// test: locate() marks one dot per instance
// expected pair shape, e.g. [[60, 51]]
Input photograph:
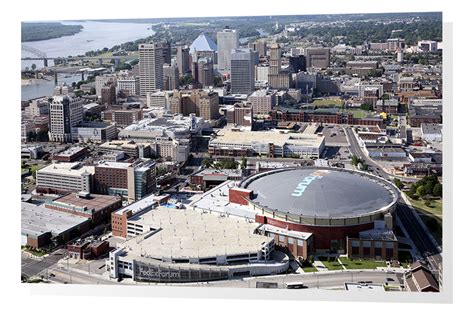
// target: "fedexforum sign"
[[154, 274], [301, 187]]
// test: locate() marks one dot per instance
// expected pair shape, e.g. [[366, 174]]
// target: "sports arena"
[[330, 203]]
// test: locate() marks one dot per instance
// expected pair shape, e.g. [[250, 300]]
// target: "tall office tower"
[[205, 74], [260, 47], [276, 78], [275, 59], [166, 52], [182, 59], [242, 71], [108, 94], [227, 40], [150, 58], [171, 77], [317, 57], [65, 113]]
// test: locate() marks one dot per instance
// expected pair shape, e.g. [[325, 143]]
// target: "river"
[[94, 35]]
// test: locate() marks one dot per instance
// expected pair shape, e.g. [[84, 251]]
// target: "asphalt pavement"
[[31, 267]]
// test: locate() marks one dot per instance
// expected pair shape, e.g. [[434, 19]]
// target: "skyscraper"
[[171, 77], [166, 52], [242, 65], [151, 67], [277, 78], [182, 59], [65, 113], [205, 74], [275, 59], [227, 40]]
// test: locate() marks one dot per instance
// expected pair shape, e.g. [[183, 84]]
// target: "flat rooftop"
[[284, 232], [91, 202], [364, 287], [321, 192], [186, 233], [275, 137], [70, 151], [37, 220], [142, 204], [114, 165], [67, 168]]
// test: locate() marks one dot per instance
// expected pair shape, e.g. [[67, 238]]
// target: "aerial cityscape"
[[281, 152]]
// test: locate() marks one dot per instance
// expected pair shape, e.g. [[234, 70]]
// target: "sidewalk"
[[319, 265]]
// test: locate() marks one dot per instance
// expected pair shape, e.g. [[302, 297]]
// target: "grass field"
[[328, 102], [431, 215], [330, 263], [359, 113], [361, 264], [435, 208], [310, 269]]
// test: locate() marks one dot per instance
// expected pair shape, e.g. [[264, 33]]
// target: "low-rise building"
[[268, 143], [64, 177], [93, 131], [425, 114], [41, 226], [208, 178], [131, 148], [432, 132], [379, 243], [96, 207], [71, 154], [420, 279]]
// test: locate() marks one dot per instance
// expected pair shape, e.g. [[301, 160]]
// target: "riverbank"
[[31, 32]]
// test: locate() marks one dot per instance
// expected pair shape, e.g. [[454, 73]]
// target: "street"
[[333, 279], [31, 267]]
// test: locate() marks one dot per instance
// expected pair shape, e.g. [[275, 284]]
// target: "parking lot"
[[335, 135]]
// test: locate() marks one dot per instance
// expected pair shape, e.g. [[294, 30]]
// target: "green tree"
[[421, 191], [355, 160], [412, 191], [243, 163], [33, 67], [366, 107], [398, 183], [438, 189], [207, 162]]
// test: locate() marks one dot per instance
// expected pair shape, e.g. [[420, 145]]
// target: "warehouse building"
[[40, 226]]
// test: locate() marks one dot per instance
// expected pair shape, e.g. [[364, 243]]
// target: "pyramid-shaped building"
[[203, 43]]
